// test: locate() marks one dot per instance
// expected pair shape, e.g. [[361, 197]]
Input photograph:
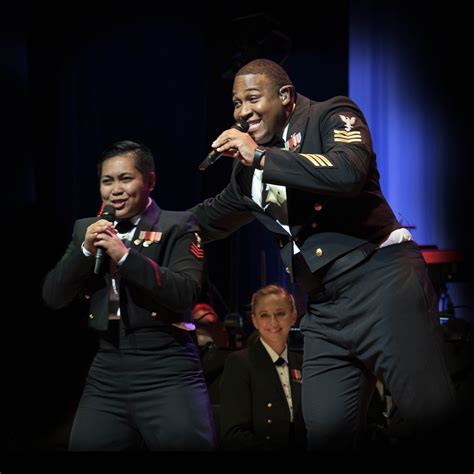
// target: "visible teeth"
[[254, 125]]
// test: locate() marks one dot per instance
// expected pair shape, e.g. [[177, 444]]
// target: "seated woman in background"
[[260, 391]]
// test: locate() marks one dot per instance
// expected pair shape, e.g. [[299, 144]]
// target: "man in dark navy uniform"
[[306, 170], [145, 385]]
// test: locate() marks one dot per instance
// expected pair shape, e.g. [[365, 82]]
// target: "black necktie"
[[280, 361], [124, 227]]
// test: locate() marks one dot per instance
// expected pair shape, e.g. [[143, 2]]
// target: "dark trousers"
[[377, 319], [152, 397]]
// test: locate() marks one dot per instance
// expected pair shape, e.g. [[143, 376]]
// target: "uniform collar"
[[273, 355]]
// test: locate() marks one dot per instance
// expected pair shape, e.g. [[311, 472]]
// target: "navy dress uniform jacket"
[[158, 283], [254, 412], [334, 200]]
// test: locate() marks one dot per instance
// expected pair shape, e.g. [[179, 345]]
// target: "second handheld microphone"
[[214, 155]]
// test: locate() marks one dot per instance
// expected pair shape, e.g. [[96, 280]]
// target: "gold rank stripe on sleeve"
[[317, 160], [347, 137]]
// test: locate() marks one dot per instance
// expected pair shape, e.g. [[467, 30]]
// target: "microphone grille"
[[108, 213], [242, 125]]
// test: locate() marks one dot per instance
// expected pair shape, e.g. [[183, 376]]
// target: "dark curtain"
[[80, 76]]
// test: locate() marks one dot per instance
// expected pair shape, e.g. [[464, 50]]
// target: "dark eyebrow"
[[247, 90], [121, 175]]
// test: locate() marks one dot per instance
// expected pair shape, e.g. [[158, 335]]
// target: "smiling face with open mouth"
[[124, 186], [256, 100]]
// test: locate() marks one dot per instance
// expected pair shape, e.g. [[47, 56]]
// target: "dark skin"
[[266, 108]]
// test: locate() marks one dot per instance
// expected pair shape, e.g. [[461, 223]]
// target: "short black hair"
[[143, 155], [268, 68]]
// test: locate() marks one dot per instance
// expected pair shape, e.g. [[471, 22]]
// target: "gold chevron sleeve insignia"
[[317, 160], [347, 137]]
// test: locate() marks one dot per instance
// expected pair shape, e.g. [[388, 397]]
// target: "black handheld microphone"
[[214, 155], [109, 215]]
